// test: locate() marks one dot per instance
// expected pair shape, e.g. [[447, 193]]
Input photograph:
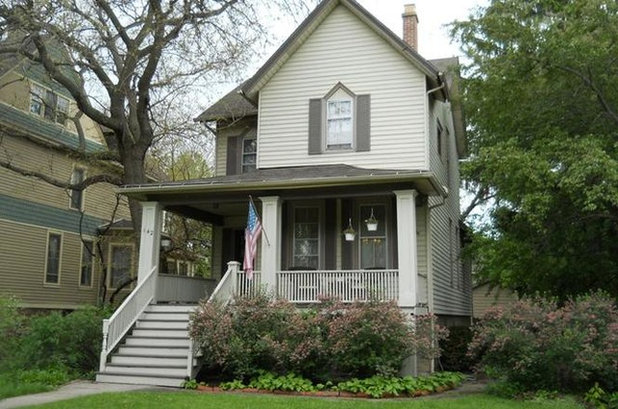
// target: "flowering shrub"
[[538, 345], [331, 340]]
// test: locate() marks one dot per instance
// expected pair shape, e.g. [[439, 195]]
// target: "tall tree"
[[124, 62], [541, 99]]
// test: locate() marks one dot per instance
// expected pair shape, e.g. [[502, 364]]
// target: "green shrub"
[[538, 345], [599, 399], [12, 326], [56, 341]]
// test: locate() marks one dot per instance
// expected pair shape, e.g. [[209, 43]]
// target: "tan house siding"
[[225, 131], [365, 64], [485, 297]]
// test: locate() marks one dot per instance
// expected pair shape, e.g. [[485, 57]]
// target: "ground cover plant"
[[154, 400], [536, 344], [331, 341]]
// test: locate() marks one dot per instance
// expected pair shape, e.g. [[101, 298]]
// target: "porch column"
[[150, 239], [406, 248], [271, 248]]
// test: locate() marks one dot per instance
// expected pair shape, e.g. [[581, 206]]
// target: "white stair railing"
[[226, 288], [246, 287], [115, 327]]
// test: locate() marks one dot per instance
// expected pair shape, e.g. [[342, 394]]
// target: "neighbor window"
[[77, 196], [373, 243], [249, 151], [87, 265], [52, 267], [120, 264], [306, 242], [48, 104]]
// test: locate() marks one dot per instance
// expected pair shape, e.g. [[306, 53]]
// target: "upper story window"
[[249, 153], [77, 196], [339, 122], [48, 104]]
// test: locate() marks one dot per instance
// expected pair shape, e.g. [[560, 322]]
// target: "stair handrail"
[[125, 316], [226, 288]]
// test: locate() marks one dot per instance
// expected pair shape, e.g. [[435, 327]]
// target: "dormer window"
[[339, 122], [48, 104]]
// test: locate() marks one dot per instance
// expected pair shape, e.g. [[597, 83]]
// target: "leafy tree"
[[125, 62], [541, 99]]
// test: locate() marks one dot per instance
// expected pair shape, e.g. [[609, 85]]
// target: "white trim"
[[61, 234], [387, 250], [313, 204], [81, 260], [32, 83], [111, 244], [325, 100]]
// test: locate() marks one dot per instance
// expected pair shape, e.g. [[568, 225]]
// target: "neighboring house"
[[344, 122], [486, 296], [50, 235]]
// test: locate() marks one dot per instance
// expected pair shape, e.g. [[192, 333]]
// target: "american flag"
[[252, 234]]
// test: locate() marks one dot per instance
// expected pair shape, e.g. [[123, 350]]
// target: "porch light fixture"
[[166, 243], [349, 233], [371, 222]]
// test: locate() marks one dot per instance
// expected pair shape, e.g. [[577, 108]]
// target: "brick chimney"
[[410, 24]]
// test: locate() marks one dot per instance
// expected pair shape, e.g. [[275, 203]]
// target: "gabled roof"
[[234, 105]]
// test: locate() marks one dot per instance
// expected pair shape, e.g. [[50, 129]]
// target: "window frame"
[[81, 192], [386, 236], [44, 104], [81, 263], [47, 283], [332, 96], [243, 154], [132, 271], [319, 205]]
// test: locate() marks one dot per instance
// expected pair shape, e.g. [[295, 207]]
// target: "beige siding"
[[225, 131], [343, 49], [22, 268], [421, 246], [451, 287], [99, 199], [485, 297]]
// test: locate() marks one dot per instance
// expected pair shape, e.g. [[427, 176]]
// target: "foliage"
[[290, 382], [541, 101], [379, 386], [333, 340], [535, 344], [11, 328], [454, 350], [190, 384], [600, 399]]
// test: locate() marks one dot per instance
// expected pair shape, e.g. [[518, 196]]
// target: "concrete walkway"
[[71, 390]]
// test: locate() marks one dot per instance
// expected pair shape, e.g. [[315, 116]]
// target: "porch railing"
[[246, 287], [183, 288], [115, 327], [346, 285], [225, 290]]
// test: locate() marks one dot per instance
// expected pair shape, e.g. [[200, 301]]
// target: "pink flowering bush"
[[332, 341], [536, 344]]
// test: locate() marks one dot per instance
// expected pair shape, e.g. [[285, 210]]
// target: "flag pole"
[[258, 216]]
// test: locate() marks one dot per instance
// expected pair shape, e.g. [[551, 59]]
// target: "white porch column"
[[271, 248], [150, 239], [406, 248]]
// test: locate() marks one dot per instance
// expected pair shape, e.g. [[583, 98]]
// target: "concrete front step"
[[171, 308], [162, 324], [157, 341], [149, 361], [162, 333], [164, 316], [163, 351], [171, 371], [109, 377]]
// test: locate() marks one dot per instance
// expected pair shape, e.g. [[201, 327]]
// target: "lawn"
[[191, 400], [11, 386]]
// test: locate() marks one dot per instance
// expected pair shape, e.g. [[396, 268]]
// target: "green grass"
[[191, 400], [11, 386]]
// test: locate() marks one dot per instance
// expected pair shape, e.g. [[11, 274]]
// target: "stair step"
[[162, 324], [149, 361], [161, 333], [163, 351], [107, 377], [157, 341], [176, 371], [164, 316], [171, 308]]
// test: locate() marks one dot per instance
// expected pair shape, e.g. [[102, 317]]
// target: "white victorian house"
[[344, 124]]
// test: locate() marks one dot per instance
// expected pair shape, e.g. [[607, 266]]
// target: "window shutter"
[[363, 123], [315, 126], [233, 154]]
